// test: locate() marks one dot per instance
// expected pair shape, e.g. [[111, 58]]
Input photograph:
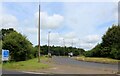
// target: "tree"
[[110, 45], [20, 48], [112, 40], [5, 32], [112, 36]]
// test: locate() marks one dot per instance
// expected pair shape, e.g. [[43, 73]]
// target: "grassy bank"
[[29, 65], [97, 60], [0, 61]]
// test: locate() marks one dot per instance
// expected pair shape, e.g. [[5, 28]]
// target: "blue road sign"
[[5, 55]]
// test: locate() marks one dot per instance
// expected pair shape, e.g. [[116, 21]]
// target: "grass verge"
[[97, 60], [29, 65], [0, 61]]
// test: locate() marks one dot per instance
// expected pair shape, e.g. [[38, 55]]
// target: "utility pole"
[[79, 43], [39, 35], [64, 45], [72, 43], [49, 42]]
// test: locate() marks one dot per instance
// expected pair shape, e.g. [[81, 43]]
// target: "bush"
[[20, 48]]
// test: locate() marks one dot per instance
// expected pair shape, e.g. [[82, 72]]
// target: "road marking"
[[33, 73], [53, 68]]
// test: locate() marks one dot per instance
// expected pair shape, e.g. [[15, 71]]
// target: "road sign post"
[[5, 55]]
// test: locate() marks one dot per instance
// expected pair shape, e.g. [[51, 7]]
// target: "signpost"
[[5, 55]]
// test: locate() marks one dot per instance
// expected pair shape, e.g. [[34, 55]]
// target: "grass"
[[97, 60], [0, 61], [0, 65], [29, 65]]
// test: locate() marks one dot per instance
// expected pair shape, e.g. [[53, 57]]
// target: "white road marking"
[[33, 73]]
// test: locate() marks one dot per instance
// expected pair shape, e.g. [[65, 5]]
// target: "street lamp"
[[72, 43], [39, 36], [49, 54], [79, 43], [64, 45]]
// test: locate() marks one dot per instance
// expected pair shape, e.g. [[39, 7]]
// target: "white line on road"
[[33, 73]]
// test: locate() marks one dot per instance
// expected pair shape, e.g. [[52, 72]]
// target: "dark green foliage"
[[88, 54], [18, 45], [60, 51], [110, 46], [6, 32]]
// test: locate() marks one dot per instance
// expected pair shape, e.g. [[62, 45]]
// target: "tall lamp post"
[[49, 42], [39, 36], [64, 45], [72, 43]]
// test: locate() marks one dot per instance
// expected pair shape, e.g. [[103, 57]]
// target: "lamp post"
[[79, 43], [64, 45], [39, 36], [49, 42], [72, 43]]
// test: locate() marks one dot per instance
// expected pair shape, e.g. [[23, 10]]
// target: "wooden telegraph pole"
[[39, 36]]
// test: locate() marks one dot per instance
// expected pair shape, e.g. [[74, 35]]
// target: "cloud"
[[92, 38], [89, 41], [70, 39], [8, 21], [50, 22], [87, 46], [69, 35], [32, 30], [85, 17], [57, 38]]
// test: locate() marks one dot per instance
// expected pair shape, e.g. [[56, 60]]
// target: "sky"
[[77, 24]]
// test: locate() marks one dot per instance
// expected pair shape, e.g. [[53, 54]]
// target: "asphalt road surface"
[[63, 61], [12, 72], [73, 62]]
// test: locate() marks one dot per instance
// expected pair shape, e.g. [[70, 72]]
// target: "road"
[[19, 73], [73, 62], [11, 72], [66, 65]]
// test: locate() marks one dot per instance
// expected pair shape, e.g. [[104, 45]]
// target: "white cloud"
[[87, 46], [92, 38], [31, 30], [70, 35], [85, 17], [70, 39], [89, 41], [50, 22], [8, 21]]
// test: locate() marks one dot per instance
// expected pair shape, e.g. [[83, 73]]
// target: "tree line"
[[110, 45], [60, 51]]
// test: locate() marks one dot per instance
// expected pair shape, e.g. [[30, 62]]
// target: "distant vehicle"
[[50, 55], [70, 54]]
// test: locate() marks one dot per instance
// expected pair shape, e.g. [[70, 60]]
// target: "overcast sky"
[[80, 23]]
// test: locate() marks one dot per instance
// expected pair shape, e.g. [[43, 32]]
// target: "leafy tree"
[[20, 48], [5, 32], [112, 37], [110, 45], [112, 40]]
